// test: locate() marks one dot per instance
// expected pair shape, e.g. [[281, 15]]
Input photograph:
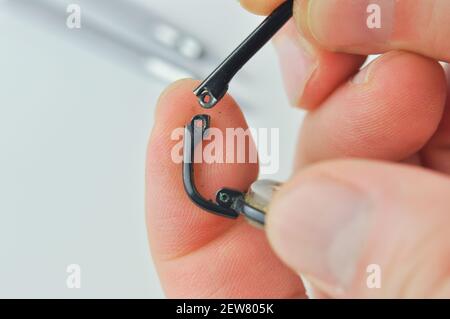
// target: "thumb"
[[361, 229]]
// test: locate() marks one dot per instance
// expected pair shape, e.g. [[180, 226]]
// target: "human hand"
[[333, 218]]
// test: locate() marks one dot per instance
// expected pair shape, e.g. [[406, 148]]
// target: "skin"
[[393, 128]]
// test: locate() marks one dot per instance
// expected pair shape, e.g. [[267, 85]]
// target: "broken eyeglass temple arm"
[[229, 203], [213, 89]]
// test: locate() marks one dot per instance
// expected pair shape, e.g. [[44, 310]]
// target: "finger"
[[388, 111], [436, 154], [375, 26], [262, 7], [196, 253], [362, 229], [310, 73]]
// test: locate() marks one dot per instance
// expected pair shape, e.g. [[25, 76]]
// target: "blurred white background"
[[76, 109]]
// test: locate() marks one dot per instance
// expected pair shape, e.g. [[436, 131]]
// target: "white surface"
[[73, 133]]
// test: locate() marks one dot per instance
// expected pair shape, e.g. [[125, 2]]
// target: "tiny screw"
[[224, 197]]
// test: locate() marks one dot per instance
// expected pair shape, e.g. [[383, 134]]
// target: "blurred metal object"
[[126, 30], [184, 44]]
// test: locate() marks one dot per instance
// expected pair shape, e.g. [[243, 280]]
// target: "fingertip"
[[319, 239], [177, 104], [170, 213], [373, 210], [389, 111], [311, 73], [178, 92], [413, 84], [260, 7], [333, 70]]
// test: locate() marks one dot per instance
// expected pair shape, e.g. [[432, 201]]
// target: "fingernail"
[[297, 62], [351, 23], [362, 76], [319, 229]]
